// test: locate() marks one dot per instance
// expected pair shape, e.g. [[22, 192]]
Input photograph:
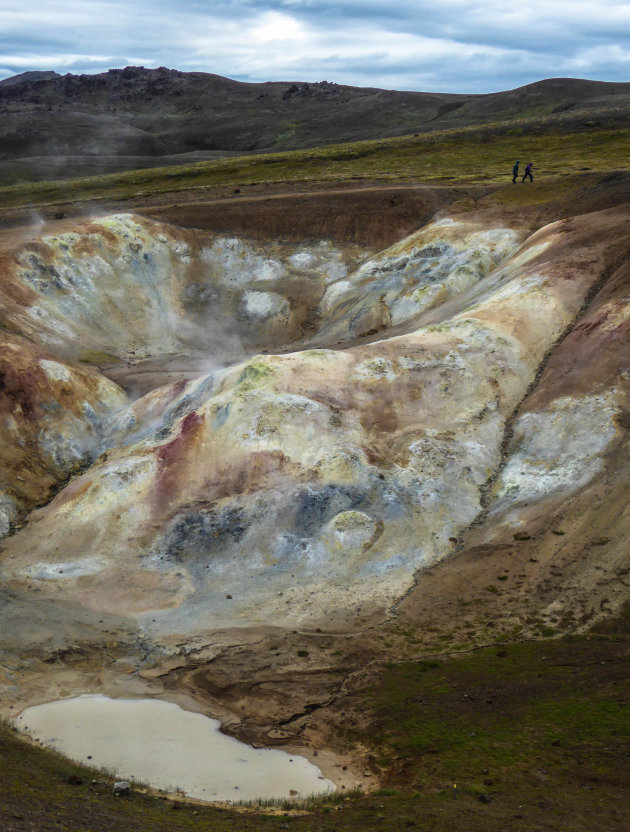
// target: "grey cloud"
[[454, 46]]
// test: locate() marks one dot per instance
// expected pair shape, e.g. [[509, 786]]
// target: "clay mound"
[[141, 304]]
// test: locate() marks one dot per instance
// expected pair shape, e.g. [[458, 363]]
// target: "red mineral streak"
[[174, 457], [20, 389]]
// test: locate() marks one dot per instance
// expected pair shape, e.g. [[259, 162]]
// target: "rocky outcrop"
[[53, 415], [423, 271]]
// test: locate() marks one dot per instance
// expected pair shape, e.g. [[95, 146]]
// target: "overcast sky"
[[445, 45]]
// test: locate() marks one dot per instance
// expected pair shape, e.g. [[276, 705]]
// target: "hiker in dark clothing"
[[515, 172], [528, 172]]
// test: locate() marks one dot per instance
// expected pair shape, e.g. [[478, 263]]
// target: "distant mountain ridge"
[[52, 125], [29, 77]]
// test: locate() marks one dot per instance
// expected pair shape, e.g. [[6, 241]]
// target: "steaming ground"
[[209, 440]]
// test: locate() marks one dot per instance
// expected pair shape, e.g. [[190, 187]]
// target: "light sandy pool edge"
[[159, 743]]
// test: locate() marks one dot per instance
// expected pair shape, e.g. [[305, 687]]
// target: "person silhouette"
[[528, 172], [515, 172]]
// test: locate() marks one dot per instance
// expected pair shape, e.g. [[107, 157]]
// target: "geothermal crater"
[[209, 438], [221, 491]]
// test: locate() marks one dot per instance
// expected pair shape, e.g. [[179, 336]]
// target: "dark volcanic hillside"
[[54, 126]]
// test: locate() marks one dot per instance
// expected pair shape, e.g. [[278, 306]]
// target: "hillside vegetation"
[[462, 156], [54, 127]]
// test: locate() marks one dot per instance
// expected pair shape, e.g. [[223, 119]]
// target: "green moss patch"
[[557, 704]]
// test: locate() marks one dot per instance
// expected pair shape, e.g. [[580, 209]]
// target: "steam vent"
[[229, 459]]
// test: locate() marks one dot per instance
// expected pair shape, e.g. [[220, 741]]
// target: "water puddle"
[[167, 747]]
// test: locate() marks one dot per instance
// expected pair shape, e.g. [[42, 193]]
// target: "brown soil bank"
[[376, 215], [367, 213]]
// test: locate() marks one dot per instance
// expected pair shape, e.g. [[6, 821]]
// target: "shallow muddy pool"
[[167, 747]]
